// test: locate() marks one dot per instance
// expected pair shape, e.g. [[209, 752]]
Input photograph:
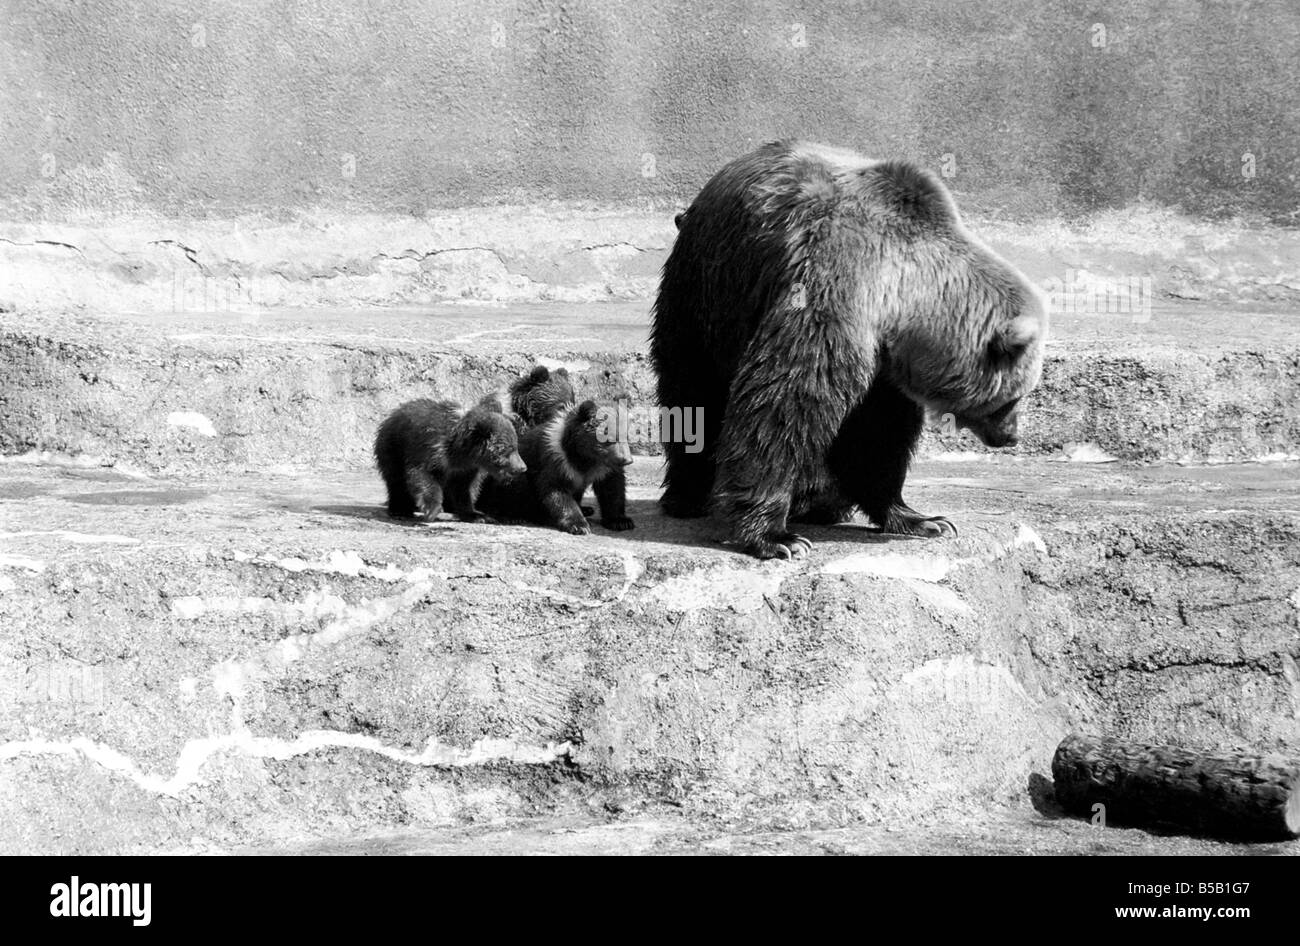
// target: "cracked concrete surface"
[[270, 662], [557, 252]]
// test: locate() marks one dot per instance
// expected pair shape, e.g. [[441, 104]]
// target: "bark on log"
[[1221, 794]]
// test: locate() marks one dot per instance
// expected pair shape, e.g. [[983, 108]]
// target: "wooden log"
[[1228, 795]]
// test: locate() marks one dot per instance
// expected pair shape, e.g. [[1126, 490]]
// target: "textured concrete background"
[[112, 106]]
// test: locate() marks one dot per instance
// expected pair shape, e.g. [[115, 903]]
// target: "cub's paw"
[[479, 517], [784, 545], [903, 520], [617, 523]]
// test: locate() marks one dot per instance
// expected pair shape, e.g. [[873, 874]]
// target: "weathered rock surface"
[[195, 392], [232, 661]]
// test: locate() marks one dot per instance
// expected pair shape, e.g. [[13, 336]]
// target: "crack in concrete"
[[191, 254], [66, 246], [196, 753], [614, 246]]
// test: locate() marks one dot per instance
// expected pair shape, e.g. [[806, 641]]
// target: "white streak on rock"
[[555, 363], [22, 561], [932, 568], [194, 420], [891, 565], [195, 754], [740, 590], [1085, 453]]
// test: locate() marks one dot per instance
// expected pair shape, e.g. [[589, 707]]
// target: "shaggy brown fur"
[[565, 456], [430, 450], [541, 394], [814, 304]]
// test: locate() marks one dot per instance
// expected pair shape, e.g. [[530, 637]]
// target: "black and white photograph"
[[595, 427]]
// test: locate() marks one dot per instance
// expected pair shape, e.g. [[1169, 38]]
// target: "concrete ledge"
[[565, 252], [267, 660], [304, 389]]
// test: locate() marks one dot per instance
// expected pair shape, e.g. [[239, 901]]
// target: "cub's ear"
[[561, 373], [587, 412], [539, 374], [1017, 335], [912, 193], [491, 402]]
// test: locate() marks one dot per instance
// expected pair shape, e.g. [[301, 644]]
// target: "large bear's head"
[[963, 330]]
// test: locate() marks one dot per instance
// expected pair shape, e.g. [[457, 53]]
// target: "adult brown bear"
[[815, 302]]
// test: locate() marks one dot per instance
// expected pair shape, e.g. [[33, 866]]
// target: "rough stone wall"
[[1036, 109]]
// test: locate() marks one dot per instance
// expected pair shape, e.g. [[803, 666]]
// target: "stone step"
[[235, 660], [295, 390]]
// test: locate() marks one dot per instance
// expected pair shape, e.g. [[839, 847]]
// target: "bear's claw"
[[904, 520], [783, 545]]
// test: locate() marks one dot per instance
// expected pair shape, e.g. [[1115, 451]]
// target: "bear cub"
[[565, 456], [541, 394], [431, 452]]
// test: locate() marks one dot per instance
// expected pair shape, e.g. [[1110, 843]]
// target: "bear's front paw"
[[579, 527], [617, 523], [903, 520], [784, 545]]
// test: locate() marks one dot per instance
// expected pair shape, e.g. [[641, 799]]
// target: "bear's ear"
[[562, 373], [1017, 335], [490, 402], [912, 193], [587, 412], [539, 374]]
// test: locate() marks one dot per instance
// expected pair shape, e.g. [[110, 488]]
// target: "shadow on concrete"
[[1042, 795], [652, 525]]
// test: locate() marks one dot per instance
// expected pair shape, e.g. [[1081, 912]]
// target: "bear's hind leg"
[[425, 492], [871, 455]]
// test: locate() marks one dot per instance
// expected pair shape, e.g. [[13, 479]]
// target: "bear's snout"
[[516, 464], [999, 429], [1000, 438]]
